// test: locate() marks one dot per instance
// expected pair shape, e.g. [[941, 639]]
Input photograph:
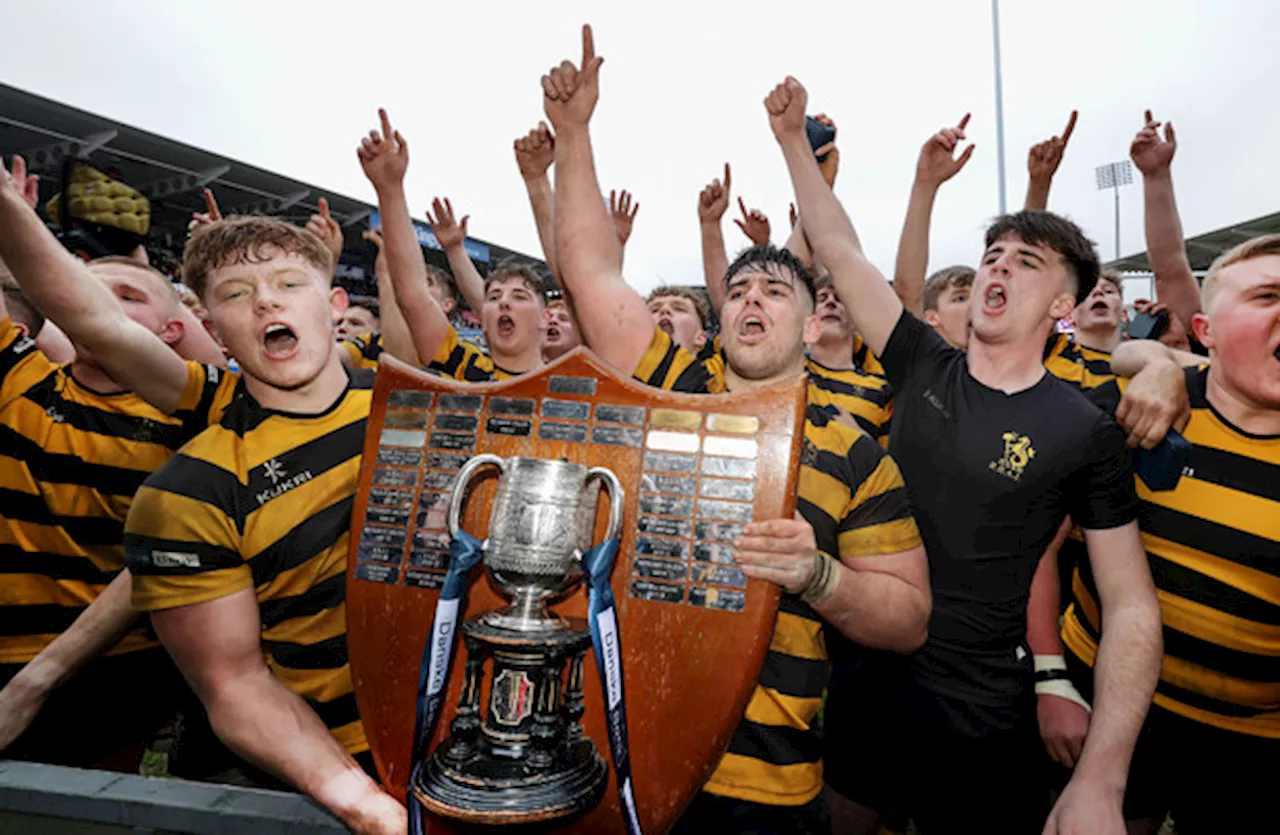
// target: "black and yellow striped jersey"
[[262, 499], [861, 390], [1073, 363], [461, 360], [70, 461], [364, 350], [1214, 548], [851, 492]]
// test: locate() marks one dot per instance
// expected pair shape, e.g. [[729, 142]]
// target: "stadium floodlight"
[[1112, 176]]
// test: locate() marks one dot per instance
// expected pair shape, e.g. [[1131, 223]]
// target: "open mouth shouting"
[[751, 329], [506, 325], [664, 323], [279, 341], [995, 299], [553, 333]]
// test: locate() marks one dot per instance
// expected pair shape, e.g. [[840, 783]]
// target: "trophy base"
[[492, 790]]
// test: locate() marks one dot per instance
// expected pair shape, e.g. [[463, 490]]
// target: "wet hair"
[[250, 239], [1059, 234], [1250, 249], [509, 269], [21, 310], [699, 303], [943, 280], [776, 262]]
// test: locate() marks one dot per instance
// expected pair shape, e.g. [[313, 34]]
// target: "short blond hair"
[[1247, 251], [250, 239], [699, 303]]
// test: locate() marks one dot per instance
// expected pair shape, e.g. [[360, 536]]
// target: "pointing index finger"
[[386, 124], [324, 208], [726, 176], [1071, 126], [588, 46], [964, 120]]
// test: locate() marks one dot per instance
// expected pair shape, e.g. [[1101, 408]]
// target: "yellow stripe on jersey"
[[263, 500], [71, 460], [1071, 362], [461, 360], [862, 390], [775, 756], [364, 350], [1213, 544]]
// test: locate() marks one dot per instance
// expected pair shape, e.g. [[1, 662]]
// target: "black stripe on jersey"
[[319, 598], [100, 422], [1197, 380], [1210, 537], [329, 654], [212, 379], [57, 468], [341, 711], [38, 619], [139, 550], [659, 375], [84, 530], [793, 605], [877, 396], [1232, 662], [1203, 589], [696, 379], [361, 378], [825, 529], [1212, 705], [450, 366], [790, 675], [316, 457], [1241, 473], [889, 506], [776, 744], [474, 373], [16, 560], [203, 481], [311, 537], [15, 352]]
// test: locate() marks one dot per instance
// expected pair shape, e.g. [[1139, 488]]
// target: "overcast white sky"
[[291, 86]]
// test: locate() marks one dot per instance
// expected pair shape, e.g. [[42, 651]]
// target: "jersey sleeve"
[[208, 392], [912, 344], [182, 544], [364, 350], [667, 366], [461, 360], [22, 364], [1103, 494], [878, 517]]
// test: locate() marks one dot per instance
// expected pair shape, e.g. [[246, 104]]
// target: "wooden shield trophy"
[[523, 733]]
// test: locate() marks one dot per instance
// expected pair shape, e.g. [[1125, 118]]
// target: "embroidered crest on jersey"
[[1018, 453]]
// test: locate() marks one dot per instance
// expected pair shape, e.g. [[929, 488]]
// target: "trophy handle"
[[463, 481], [617, 498]]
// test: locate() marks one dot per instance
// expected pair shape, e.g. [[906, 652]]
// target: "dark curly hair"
[[1059, 234], [774, 261]]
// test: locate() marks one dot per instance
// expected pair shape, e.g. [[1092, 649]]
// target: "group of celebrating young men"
[[925, 572]]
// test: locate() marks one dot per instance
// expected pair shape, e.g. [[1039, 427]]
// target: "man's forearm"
[[1132, 356], [466, 276], [1125, 674], [396, 338], [1166, 249], [542, 201], [426, 321], [913, 247], [715, 262], [58, 284], [587, 247], [1037, 194], [878, 610], [266, 723], [99, 627]]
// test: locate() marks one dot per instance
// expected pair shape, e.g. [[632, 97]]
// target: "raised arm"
[[935, 166], [396, 338], [754, 224], [61, 287], [451, 234], [712, 203], [827, 226], [324, 227], [217, 645], [1176, 285], [385, 158], [623, 211], [1042, 163], [534, 155], [614, 319]]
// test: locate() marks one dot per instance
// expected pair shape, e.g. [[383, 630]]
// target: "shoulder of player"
[[841, 450]]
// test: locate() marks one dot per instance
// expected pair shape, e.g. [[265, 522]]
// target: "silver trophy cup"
[[539, 528]]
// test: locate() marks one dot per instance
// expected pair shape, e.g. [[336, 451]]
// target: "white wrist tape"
[[1051, 680]]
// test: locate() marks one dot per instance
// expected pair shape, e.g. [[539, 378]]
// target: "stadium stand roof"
[[1202, 249], [171, 174]]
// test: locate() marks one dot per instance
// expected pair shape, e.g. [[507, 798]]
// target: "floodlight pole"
[[1112, 176], [1116, 188], [995, 40]]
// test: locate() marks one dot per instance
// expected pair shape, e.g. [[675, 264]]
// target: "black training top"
[[990, 477]]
